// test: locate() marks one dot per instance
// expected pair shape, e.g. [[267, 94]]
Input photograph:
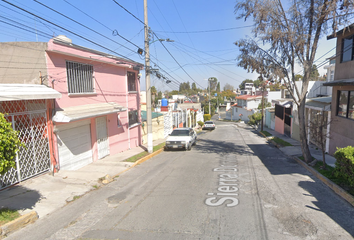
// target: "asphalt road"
[[231, 185]]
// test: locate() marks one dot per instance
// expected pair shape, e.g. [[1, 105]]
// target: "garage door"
[[74, 145]]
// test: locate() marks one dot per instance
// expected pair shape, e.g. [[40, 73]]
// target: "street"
[[231, 185]]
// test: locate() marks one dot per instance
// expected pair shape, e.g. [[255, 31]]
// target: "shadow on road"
[[279, 164], [221, 147]]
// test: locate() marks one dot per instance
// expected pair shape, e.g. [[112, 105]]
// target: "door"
[[74, 145], [102, 137]]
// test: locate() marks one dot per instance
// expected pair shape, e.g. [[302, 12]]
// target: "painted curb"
[[18, 223], [141, 160], [337, 189]]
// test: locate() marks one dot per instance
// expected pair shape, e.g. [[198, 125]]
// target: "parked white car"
[[181, 138]]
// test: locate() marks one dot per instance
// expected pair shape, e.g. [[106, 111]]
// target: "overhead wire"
[[159, 41], [83, 25], [78, 35]]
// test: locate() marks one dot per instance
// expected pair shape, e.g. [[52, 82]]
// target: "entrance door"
[[102, 137]]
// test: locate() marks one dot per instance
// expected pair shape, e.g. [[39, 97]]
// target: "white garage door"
[[74, 146]]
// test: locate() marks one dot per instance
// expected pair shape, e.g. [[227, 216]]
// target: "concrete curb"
[[18, 223], [337, 189], [141, 160]]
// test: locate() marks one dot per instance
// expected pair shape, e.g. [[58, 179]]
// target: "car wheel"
[[189, 147]]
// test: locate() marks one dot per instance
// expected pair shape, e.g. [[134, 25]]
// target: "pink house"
[[99, 111]]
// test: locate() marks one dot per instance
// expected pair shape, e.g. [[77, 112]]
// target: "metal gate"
[[30, 120]]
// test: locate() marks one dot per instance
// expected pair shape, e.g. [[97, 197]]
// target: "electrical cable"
[[84, 25], [78, 35]]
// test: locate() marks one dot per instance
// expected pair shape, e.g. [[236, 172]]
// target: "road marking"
[[228, 180]]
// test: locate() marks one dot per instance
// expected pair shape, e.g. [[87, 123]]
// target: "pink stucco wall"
[[110, 84], [279, 125]]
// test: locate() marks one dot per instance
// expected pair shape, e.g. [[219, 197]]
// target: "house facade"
[[99, 111], [85, 104], [342, 112]]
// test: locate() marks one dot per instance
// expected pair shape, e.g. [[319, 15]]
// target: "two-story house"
[[97, 108], [342, 112]]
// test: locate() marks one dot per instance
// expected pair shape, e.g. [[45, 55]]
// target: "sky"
[[203, 34]]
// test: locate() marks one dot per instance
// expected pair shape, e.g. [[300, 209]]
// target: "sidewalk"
[[46, 193], [295, 149]]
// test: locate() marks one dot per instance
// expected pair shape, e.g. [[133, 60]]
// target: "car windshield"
[[209, 122], [180, 133]]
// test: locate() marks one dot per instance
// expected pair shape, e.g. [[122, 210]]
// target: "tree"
[[228, 87], [9, 145], [194, 86], [228, 94], [266, 104], [318, 132], [314, 73], [218, 87], [289, 37], [298, 77], [213, 81], [242, 85], [255, 118]]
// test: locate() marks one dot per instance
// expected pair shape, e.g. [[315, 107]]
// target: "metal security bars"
[[80, 77], [30, 120]]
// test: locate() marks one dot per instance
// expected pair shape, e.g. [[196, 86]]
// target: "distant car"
[[209, 125], [181, 138]]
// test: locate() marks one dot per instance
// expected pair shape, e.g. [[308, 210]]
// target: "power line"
[[78, 35], [84, 25], [204, 31]]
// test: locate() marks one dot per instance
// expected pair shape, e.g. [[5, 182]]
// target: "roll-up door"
[[74, 145]]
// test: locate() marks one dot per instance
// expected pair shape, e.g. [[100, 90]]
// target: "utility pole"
[[209, 96], [147, 80]]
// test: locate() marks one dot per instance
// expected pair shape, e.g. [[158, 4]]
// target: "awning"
[[323, 103], [153, 115], [345, 82], [13, 92], [71, 114]]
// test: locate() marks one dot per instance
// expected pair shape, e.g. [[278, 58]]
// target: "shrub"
[[9, 145], [200, 123], [255, 118], [207, 117], [345, 164]]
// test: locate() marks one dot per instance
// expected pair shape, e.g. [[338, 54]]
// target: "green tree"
[[9, 145], [242, 85], [228, 94], [194, 87], [286, 34], [228, 87], [218, 87], [266, 104], [255, 118], [213, 82], [314, 73], [298, 77]]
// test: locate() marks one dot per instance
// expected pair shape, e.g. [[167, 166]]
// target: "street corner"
[[18, 223]]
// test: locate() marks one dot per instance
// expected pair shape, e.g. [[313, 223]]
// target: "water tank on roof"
[[164, 102]]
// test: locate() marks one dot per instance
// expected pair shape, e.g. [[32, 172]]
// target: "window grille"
[[80, 77], [131, 82]]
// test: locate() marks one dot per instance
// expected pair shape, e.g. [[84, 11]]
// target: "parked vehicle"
[[181, 138], [209, 125]]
